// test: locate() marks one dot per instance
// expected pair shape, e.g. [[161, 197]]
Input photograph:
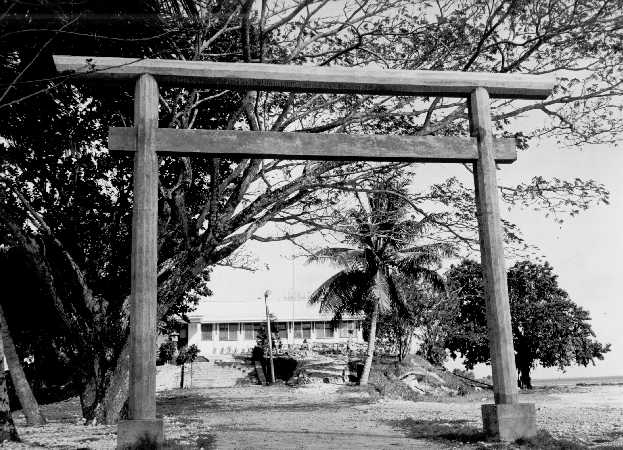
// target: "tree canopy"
[[549, 329]]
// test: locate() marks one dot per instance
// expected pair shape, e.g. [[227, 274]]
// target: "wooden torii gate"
[[506, 419]]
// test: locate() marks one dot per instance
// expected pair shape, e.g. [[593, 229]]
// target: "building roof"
[[290, 309]]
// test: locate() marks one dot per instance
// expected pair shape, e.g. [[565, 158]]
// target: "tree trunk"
[[525, 382], [398, 332], [7, 427], [27, 400], [184, 272], [117, 390], [371, 344], [92, 400]]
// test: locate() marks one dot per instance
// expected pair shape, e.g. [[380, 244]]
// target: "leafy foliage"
[[261, 338], [166, 352], [383, 238], [548, 327], [187, 355], [418, 320]]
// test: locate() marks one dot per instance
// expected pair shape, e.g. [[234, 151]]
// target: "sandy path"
[[312, 417], [328, 417]]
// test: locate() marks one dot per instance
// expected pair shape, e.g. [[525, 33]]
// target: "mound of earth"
[[409, 379], [414, 377]]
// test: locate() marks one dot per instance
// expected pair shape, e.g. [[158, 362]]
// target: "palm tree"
[[383, 240]]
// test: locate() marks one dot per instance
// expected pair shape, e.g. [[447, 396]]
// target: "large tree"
[[549, 329], [67, 201]]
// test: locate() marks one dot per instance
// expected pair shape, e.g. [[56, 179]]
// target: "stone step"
[[204, 375]]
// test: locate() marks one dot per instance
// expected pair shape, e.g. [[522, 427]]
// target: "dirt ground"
[[331, 416]]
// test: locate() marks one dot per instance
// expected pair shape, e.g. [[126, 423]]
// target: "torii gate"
[[506, 419]]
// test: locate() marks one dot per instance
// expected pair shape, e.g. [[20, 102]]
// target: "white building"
[[220, 327]]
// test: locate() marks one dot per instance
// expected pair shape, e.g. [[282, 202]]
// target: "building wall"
[[236, 337]]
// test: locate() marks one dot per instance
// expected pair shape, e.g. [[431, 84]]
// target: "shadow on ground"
[[194, 403], [204, 441], [462, 431], [303, 432], [448, 430]]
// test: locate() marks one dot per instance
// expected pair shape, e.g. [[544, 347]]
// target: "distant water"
[[573, 381]]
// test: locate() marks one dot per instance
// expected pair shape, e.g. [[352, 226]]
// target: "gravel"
[[330, 416]]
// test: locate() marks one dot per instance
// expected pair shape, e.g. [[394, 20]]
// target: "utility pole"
[[270, 338]]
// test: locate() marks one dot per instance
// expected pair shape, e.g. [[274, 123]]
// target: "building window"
[[228, 331], [324, 330], [302, 330], [281, 329], [347, 329], [251, 330], [206, 331]]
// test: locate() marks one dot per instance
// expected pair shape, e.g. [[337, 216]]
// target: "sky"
[[585, 251]]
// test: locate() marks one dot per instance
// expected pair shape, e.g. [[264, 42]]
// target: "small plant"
[[262, 338], [187, 355]]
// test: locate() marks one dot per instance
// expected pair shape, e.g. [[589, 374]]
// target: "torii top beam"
[[273, 77]]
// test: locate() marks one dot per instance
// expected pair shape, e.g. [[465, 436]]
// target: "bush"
[[187, 355], [257, 354], [166, 351], [262, 338], [285, 366]]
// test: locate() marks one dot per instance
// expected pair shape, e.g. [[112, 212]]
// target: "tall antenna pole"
[[270, 338]]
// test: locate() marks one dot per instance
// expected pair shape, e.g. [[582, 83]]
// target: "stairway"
[[218, 374]]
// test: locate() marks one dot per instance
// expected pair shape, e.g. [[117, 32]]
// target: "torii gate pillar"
[[506, 419], [143, 428]]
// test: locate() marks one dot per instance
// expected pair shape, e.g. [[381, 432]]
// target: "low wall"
[[167, 377]]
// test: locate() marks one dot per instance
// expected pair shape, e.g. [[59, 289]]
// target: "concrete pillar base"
[[140, 433], [509, 422]]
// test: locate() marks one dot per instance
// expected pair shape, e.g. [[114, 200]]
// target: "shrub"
[[166, 351], [257, 354], [187, 354]]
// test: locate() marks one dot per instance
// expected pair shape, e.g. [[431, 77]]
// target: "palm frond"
[[440, 249], [429, 276], [339, 256], [345, 292], [415, 228]]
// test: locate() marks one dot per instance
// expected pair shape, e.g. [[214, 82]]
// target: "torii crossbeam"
[[506, 419]]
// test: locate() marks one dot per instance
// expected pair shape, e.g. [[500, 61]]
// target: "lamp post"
[[270, 338]]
